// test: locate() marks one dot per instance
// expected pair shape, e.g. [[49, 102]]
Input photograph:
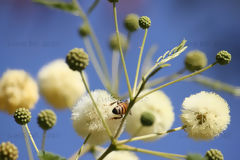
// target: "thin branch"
[[164, 79], [177, 80], [96, 64], [139, 62], [43, 140], [121, 52], [30, 135], [94, 39], [91, 8], [156, 153], [85, 141], [153, 135], [29, 150], [96, 107]]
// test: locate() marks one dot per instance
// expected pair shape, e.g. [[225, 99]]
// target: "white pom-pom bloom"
[[86, 120], [205, 115], [120, 155], [60, 86], [17, 89], [159, 105]]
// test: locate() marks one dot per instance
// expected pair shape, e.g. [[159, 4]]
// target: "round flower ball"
[[205, 115], [8, 151], [17, 89], [86, 120], [113, 42], [156, 104], [195, 60], [59, 85], [120, 155]]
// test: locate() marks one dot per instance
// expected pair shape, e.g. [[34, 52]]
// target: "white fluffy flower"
[[159, 105], [60, 86], [17, 89], [205, 114], [120, 155], [86, 120]]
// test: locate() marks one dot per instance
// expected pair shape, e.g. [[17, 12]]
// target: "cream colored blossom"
[[17, 89], [159, 105], [60, 86], [120, 155], [86, 120], [205, 114]]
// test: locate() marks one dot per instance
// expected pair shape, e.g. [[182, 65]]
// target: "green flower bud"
[[46, 119], [195, 60], [147, 119], [195, 157], [8, 151], [77, 59], [22, 116], [131, 22], [113, 43], [84, 30], [223, 57], [113, 1], [144, 22], [214, 154]]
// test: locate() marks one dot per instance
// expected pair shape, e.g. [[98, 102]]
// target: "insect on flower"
[[120, 109]]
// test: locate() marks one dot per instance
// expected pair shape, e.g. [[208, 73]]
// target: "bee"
[[120, 109]]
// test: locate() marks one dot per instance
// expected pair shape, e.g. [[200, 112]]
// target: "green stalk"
[[29, 150], [94, 39], [30, 135], [109, 150], [43, 140], [96, 65], [177, 80], [85, 141], [96, 107], [115, 69], [95, 3], [121, 52], [156, 153], [153, 135], [139, 62], [164, 79]]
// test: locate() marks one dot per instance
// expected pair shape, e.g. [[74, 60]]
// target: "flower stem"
[[139, 62], [96, 65], [115, 73], [94, 39], [216, 84], [85, 141], [121, 52], [30, 135], [96, 107], [43, 140], [164, 79], [161, 154], [149, 135], [29, 150], [177, 80], [95, 3], [110, 149]]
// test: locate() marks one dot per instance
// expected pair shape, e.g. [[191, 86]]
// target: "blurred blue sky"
[[32, 35]]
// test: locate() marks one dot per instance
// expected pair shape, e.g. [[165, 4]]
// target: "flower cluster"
[[159, 106], [60, 86], [18, 89], [205, 115], [86, 120]]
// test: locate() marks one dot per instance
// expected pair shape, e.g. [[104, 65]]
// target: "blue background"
[[32, 35]]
